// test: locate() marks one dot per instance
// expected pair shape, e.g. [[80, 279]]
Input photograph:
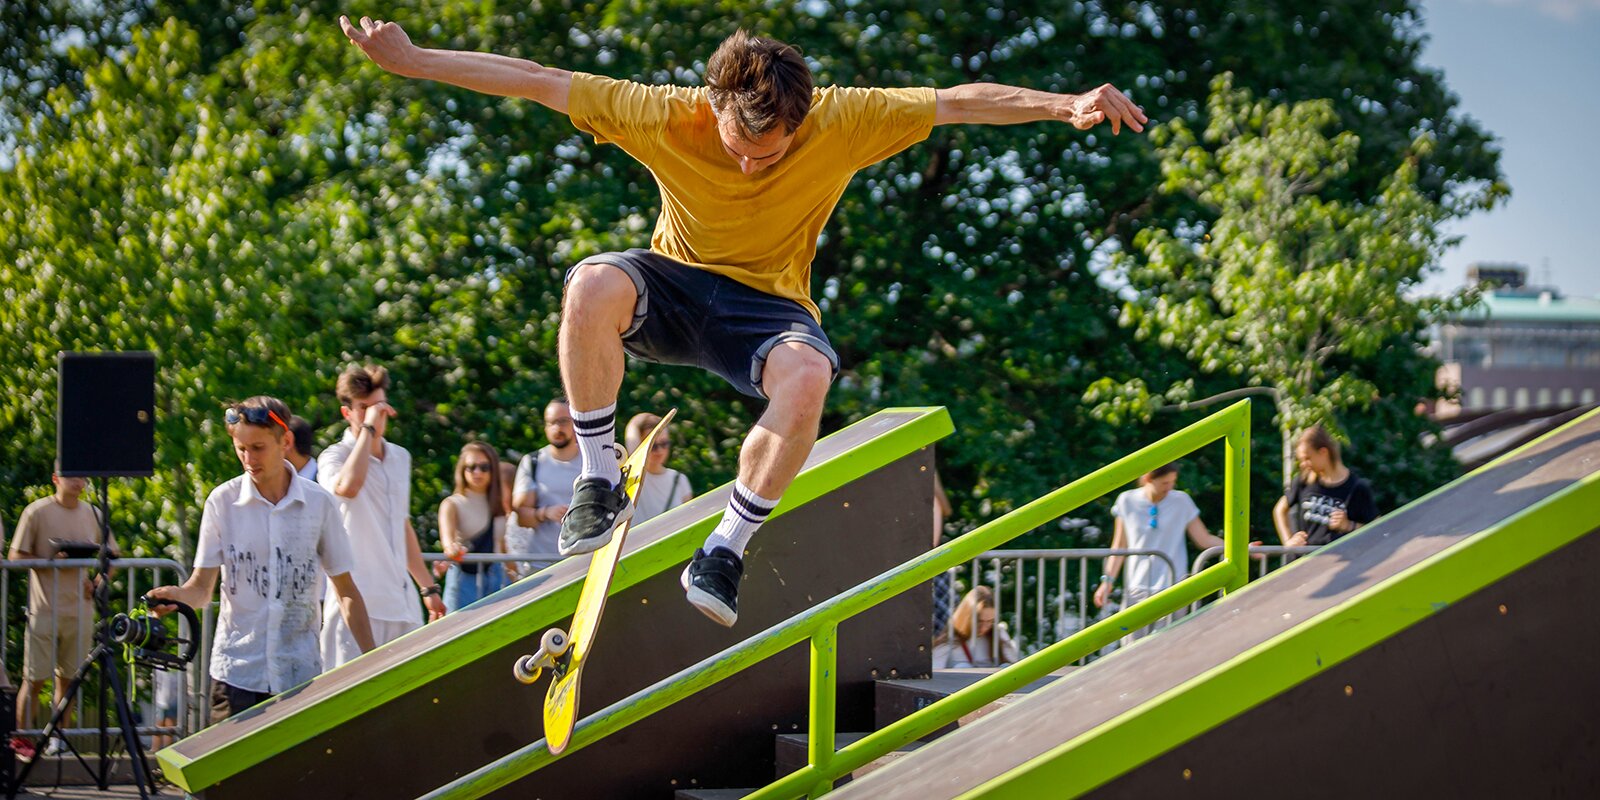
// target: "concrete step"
[[64, 770], [710, 794], [791, 754], [897, 699]]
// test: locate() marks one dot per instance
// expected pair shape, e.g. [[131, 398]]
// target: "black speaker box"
[[105, 414]]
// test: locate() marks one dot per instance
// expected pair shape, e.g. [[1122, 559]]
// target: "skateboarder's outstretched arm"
[[389, 47], [999, 104]]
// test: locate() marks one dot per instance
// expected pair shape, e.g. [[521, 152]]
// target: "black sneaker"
[[711, 582], [597, 510]]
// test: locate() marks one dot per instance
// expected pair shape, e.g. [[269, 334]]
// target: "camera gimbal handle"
[[192, 645]]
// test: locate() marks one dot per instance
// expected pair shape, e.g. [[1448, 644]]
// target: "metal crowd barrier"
[[1061, 605], [1262, 566], [525, 565], [131, 577]]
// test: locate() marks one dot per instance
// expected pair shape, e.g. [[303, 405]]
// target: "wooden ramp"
[[1448, 650], [436, 704]]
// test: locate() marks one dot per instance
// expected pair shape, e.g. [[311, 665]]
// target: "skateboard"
[[563, 654]]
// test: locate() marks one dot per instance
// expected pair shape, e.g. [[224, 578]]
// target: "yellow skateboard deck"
[[561, 701]]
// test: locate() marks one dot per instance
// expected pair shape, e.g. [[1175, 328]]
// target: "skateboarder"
[[750, 167]]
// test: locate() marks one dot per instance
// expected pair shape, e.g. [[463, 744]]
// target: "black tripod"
[[103, 657]]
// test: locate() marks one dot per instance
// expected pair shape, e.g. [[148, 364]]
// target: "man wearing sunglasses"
[[750, 167], [271, 536], [371, 478]]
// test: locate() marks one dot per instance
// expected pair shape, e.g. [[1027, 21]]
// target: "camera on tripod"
[[148, 640]]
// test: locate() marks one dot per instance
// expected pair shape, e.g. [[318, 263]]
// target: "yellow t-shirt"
[[760, 230]]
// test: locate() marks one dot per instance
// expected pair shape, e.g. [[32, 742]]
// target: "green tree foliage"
[[235, 187], [1279, 281]]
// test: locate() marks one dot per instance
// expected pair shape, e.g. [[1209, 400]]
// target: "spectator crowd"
[[315, 553]]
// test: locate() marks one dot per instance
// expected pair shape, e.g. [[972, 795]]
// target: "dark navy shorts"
[[693, 317]]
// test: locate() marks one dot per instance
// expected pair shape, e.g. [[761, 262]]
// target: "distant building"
[[1522, 347]]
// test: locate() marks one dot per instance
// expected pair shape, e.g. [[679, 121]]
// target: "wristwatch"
[[431, 591], [367, 426]]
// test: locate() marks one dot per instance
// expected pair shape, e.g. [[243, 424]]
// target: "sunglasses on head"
[[477, 468], [253, 415]]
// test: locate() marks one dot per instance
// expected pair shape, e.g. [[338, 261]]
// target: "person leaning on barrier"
[[970, 639], [60, 601], [666, 487], [473, 520], [1327, 499], [271, 536]]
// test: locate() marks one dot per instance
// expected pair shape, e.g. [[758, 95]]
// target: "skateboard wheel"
[[526, 669], [554, 642]]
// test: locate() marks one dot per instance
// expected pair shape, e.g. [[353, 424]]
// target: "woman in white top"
[[665, 488], [970, 641], [473, 520]]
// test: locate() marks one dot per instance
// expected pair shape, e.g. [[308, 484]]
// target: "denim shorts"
[[692, 317]]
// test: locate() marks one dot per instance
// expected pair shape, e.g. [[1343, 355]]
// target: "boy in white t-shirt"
[[1154, 516], [271, 535]]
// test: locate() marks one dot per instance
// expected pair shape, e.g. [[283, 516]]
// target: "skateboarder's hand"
[[1105, 104], [1102, 595], [384, 42]]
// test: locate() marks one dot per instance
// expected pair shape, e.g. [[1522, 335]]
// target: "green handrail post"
[[1236, 499], [824, 702]]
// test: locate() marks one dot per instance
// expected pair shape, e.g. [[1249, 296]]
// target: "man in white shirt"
[[371, 478], [544, 483], [272, 536]]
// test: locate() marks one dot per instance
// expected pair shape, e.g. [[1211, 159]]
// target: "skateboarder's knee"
[[601, 290], [798, 374]]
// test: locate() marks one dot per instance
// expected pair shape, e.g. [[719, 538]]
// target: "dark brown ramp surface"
[[440, 702], [1428, 579]]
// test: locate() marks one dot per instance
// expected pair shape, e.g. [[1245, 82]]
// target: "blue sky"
[[1529, 71]]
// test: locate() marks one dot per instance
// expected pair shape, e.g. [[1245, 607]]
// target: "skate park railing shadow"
[[820, 625]]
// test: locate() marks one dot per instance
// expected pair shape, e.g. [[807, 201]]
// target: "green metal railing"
[[820, 626]]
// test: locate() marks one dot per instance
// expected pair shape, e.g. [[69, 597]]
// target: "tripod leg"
[[130, 731], [56, 718]]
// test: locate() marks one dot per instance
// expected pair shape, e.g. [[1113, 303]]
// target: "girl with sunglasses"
[[666, 488], [473, 520]]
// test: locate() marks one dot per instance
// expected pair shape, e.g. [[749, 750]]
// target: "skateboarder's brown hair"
[[759, 84]]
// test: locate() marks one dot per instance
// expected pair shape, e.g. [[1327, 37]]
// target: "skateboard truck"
[[552, 646]]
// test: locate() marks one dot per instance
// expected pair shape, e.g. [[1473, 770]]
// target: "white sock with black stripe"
[[597, 440], [745, 512]]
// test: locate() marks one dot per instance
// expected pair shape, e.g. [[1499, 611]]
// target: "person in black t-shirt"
[[1327, 500]]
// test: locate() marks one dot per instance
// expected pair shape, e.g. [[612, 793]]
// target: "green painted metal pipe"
[[824, 702], [890, 583], [1236, 505]]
